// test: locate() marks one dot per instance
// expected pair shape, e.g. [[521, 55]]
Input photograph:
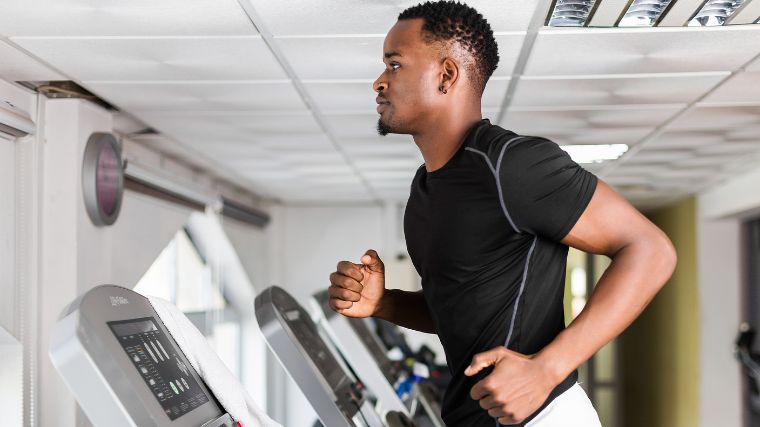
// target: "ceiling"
[[280, 94]]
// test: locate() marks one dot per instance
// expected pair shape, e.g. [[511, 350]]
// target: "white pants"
[[570, 409]]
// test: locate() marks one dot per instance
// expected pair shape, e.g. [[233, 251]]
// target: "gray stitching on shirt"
[[519, 294], [496, 176]]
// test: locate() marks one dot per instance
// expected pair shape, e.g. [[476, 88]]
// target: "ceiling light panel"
[[595, 153], [714, 13], [571, 13], [644, 13], [613, 91], [69, 18], [18, 66], [749, 13], [680, 12], [219, 96], [598, 51], [176, 59], [373, 17]]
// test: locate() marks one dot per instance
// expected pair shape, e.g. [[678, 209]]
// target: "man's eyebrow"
[[390, 54]]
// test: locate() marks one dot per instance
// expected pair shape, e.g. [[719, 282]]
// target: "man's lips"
[[381, 103]]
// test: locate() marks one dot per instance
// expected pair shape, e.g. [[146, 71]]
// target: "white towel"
[[227, 389]]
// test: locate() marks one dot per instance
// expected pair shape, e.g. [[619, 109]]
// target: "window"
[[599, 376], [200, 272]]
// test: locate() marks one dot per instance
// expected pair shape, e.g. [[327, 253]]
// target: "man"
[[488, 224]]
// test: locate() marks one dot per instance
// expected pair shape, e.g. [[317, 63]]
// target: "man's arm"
[[643, 259], [407, 309], [358, 290]]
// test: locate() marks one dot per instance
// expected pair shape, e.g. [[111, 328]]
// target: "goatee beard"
[[382, 128]]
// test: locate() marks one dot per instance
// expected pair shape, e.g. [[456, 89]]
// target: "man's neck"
[[441, 141]]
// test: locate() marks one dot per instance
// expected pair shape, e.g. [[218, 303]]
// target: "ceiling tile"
[[361, 57], [252, 125], [334, 98], [538, 121], [594, 51], [118, 18], [612, 91], [629, 136], [716, 118], [129, 59], [741, 88], [306, 17], [217, 96], [18, 66], [684, 139]]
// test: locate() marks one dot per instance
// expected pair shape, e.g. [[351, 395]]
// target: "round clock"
[[102, 178]]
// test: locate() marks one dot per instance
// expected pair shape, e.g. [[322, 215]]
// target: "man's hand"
[[356, 289], [517, 386]]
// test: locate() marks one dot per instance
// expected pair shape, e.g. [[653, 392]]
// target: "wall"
[[660, 351], [721, 212], [719, 291], [7, 234], [74, 254]]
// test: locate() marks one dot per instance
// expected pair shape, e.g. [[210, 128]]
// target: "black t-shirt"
[[484, 232]]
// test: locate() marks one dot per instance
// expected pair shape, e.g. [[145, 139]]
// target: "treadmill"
[[293, 337], [363, 351], [125, 369]]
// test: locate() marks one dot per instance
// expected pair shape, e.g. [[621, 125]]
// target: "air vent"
[[65, 89]]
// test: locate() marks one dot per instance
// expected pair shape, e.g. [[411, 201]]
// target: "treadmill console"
[[125, 369], [295, 340]]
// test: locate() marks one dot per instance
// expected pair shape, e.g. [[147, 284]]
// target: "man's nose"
[[379, 85]]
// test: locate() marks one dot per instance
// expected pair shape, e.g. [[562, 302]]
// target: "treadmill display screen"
[[156, 359]]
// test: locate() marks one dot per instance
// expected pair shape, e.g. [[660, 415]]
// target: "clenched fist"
[[356, 290]]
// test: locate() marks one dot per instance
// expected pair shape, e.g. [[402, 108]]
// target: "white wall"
[[7, 234], [721, 212], [76, 255]]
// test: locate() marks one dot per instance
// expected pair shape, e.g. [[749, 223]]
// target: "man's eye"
[[394, 65]]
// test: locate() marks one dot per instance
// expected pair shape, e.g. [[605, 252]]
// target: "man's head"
[[438, 55]]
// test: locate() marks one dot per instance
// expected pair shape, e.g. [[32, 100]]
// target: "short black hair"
[[450, 20]]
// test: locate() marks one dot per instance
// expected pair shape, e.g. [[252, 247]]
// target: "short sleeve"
[[545, 192]]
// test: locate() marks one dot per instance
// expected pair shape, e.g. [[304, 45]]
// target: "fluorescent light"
[[595, 153], [644, 13], [715, 12], [571, 13]]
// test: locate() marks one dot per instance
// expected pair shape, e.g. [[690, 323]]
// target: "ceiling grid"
[[288, 111]]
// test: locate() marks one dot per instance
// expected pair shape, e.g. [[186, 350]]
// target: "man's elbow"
[[664, 257]]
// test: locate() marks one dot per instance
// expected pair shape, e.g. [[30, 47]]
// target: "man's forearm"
[[634, 277], [407, 309]]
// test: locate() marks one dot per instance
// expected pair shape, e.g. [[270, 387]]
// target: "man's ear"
[[449, 73]]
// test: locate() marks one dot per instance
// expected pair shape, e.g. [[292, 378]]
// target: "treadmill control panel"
[[155, 358]]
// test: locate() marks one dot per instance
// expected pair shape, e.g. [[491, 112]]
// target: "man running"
[[488, 224]]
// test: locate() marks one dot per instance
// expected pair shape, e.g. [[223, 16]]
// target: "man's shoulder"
[[493, 141]]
